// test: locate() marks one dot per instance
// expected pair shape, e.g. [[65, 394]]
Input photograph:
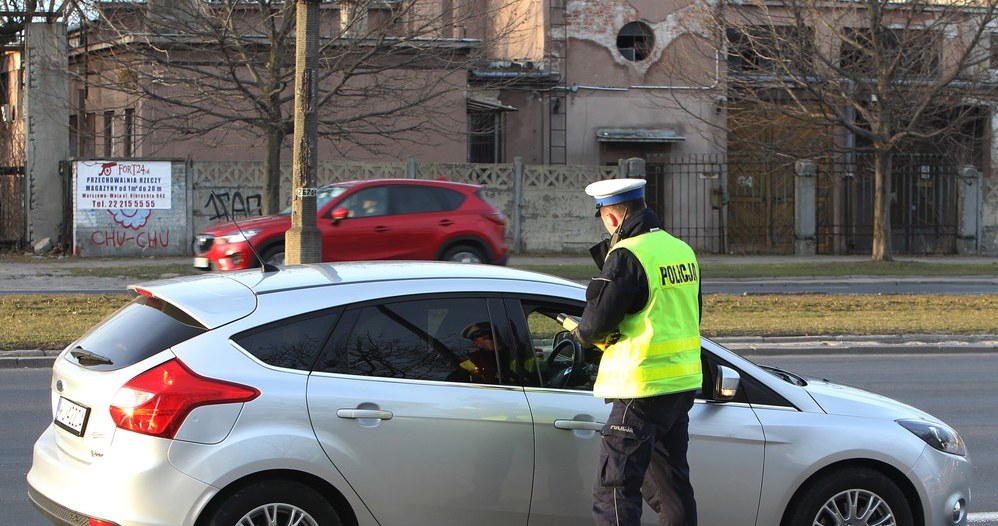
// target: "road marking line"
[[983, 516]]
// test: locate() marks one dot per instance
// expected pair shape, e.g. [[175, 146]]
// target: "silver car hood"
[[838, 399]]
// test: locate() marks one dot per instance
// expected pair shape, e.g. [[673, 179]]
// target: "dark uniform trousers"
[[643, 455]]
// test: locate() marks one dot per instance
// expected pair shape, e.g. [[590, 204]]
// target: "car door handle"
[[578, 425], [380, 229], [446, 222], [375, 414]]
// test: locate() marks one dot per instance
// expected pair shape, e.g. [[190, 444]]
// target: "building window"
[[635, 41], [4, 87], [485, 137], [74, 134], [994, 51], [108, 133], [768, 49], [128, 134], [908, 52], [89, 136]]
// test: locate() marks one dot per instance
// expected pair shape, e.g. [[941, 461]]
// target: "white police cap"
[[613, 191]]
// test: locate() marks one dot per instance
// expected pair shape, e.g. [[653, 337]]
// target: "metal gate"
[[924, 208], [761, 207], [743, 203], [685, 191], [12, 222]]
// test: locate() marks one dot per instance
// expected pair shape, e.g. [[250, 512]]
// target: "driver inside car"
[[481, 359]]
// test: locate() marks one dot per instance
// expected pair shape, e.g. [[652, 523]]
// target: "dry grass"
[[54, 321], [817, 314]]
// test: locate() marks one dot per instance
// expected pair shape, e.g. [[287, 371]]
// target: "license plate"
[[71, 416], [202, 263]]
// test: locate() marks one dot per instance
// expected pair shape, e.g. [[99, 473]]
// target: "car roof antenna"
[[266, 267]]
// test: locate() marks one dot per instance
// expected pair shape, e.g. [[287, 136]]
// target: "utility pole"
[[303, 242]]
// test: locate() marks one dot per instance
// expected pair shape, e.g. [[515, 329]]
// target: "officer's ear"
[[614, 218]]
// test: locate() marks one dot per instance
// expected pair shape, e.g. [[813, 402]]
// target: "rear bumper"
[[140, 488], [54, 512]]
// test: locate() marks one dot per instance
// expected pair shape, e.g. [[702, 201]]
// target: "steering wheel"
[[567, 376]]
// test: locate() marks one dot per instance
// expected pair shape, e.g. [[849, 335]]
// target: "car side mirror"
[[726, 384], [339, 214]]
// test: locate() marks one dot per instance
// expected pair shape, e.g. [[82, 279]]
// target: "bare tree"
[[227, 66], [872, 75], [14, 14]]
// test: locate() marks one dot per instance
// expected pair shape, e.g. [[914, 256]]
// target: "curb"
[[27, 359], [745, 346]]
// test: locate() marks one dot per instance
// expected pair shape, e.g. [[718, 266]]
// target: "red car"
[[366, 220]]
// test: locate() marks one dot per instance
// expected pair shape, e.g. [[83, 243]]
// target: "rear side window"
[[292, 344], [444, 339], [144, 327], [412, 199]]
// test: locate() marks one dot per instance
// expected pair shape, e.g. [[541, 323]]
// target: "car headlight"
[[237, 237], [939, 436]]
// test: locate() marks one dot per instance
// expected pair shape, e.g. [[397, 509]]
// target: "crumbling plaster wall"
[[600, 21]]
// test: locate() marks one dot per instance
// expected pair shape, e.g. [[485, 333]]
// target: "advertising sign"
[[107, 185]]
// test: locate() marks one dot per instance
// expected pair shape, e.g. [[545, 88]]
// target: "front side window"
[[367, 202], [554, 360], [443, 339]]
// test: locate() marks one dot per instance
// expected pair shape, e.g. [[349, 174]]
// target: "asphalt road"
[[952, 387]]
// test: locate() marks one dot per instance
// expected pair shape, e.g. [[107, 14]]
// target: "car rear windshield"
[[140, 329]]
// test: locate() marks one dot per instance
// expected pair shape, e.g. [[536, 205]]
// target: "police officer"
[[643, 308]]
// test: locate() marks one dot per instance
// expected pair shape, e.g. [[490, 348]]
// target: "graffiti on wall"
[[133, 221], [222, 205]]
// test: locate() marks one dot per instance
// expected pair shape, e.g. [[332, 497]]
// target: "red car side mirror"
[[339, 214]]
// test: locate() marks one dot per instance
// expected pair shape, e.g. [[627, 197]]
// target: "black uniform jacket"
[[621, 286]]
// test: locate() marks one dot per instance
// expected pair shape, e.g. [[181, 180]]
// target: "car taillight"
[[496, 217], [157, 401]]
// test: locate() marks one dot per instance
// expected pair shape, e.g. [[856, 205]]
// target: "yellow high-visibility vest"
[[658, 351]]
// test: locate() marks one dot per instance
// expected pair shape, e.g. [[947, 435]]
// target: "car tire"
[[845, 496], [260, 503], [464, 254], [274, 255]]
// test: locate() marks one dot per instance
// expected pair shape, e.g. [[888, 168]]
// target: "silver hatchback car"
[[401, 393]]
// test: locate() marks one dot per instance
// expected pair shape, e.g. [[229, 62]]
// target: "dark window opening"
[[902, 52], [128, 134], [108, 133], [635, 41], [485, 137], [74, 134], [769, 50]]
